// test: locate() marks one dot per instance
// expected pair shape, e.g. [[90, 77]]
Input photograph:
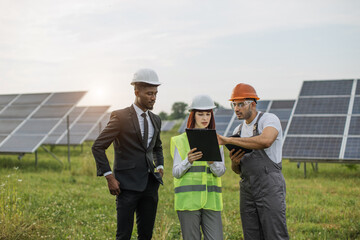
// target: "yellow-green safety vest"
[[198, 188]]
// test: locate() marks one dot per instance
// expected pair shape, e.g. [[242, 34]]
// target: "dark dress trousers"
[[134, 165]]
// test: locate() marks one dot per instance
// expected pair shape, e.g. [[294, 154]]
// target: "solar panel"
[[6, 99], [324, 124], [21, 144], [282, 104], [64, 98], [262, 105], [352, 150], [318, 125], [354, 126], [325, 105], [8, 125], [82, 121], [222, 118], [27, 119], [2, 137], [19, 111], [52, 111], [326, 88], [100, 126], [356, 108], [312, 147], [167, 125], [36, 126], [183, 125], [32, 99]]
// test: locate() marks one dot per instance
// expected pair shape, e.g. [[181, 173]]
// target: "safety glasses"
[[240, 104]]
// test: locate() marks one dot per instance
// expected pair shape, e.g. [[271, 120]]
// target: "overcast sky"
[[194, 46]]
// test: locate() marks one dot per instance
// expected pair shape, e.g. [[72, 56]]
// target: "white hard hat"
[[146, 75], [202, 102]]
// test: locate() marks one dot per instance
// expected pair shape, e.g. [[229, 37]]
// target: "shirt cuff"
[[159, 167], [107, 173]]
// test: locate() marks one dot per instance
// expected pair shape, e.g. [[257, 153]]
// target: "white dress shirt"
[[180, 166], [141, 123]]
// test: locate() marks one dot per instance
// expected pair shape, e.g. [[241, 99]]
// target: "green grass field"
[[53, 202]]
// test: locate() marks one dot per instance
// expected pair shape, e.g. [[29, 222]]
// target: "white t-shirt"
[[274, 152]]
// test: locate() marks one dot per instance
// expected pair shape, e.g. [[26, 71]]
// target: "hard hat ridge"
[[243, 91], [146, 75], [202, 102]]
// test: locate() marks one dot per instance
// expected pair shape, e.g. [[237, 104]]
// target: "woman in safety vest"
[[198, 199]]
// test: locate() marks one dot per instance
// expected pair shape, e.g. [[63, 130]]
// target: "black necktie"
[[146, 130]]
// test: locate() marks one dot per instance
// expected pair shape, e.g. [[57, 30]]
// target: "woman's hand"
[[193, 156]]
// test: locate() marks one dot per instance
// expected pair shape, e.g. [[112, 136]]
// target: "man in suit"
[[135, 134]]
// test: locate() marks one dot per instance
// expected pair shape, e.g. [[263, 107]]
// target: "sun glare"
[[99, 93]]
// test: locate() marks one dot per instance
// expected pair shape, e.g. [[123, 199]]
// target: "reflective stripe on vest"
[[199, 169], [191, 188], [198, 188]]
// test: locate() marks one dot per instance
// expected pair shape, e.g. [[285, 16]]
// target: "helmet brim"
[[242, 98], [147, 82]]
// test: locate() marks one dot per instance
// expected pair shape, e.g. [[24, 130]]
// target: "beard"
[[246, 114], [149, 105]]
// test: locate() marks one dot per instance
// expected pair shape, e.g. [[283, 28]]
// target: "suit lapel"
[[135, 122], [156, 129]]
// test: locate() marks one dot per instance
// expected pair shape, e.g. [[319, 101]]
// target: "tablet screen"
[[205, 140]]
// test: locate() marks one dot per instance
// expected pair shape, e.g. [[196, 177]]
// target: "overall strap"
[[255, 129], [240, 127]]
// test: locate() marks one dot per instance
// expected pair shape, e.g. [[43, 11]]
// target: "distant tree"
[[163, 116], [178, 110], [218, 105]]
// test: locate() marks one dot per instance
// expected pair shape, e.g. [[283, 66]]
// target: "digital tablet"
[[237, 148], [205, 140]]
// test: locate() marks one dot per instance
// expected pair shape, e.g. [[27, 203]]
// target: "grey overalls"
[[262, 195]]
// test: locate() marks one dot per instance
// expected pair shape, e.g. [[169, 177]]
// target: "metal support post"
[[304, 169], [68, 139], [36, 158]]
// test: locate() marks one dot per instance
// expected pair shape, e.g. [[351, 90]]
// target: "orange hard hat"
[[243, 91]]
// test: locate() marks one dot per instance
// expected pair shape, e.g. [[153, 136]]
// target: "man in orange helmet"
[[262, 185]]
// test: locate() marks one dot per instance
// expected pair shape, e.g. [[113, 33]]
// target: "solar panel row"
[[30, 120], [27, 119], [82, 121], [325, 123], [99, 127]]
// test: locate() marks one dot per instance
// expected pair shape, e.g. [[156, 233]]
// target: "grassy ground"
[[52, 202]]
